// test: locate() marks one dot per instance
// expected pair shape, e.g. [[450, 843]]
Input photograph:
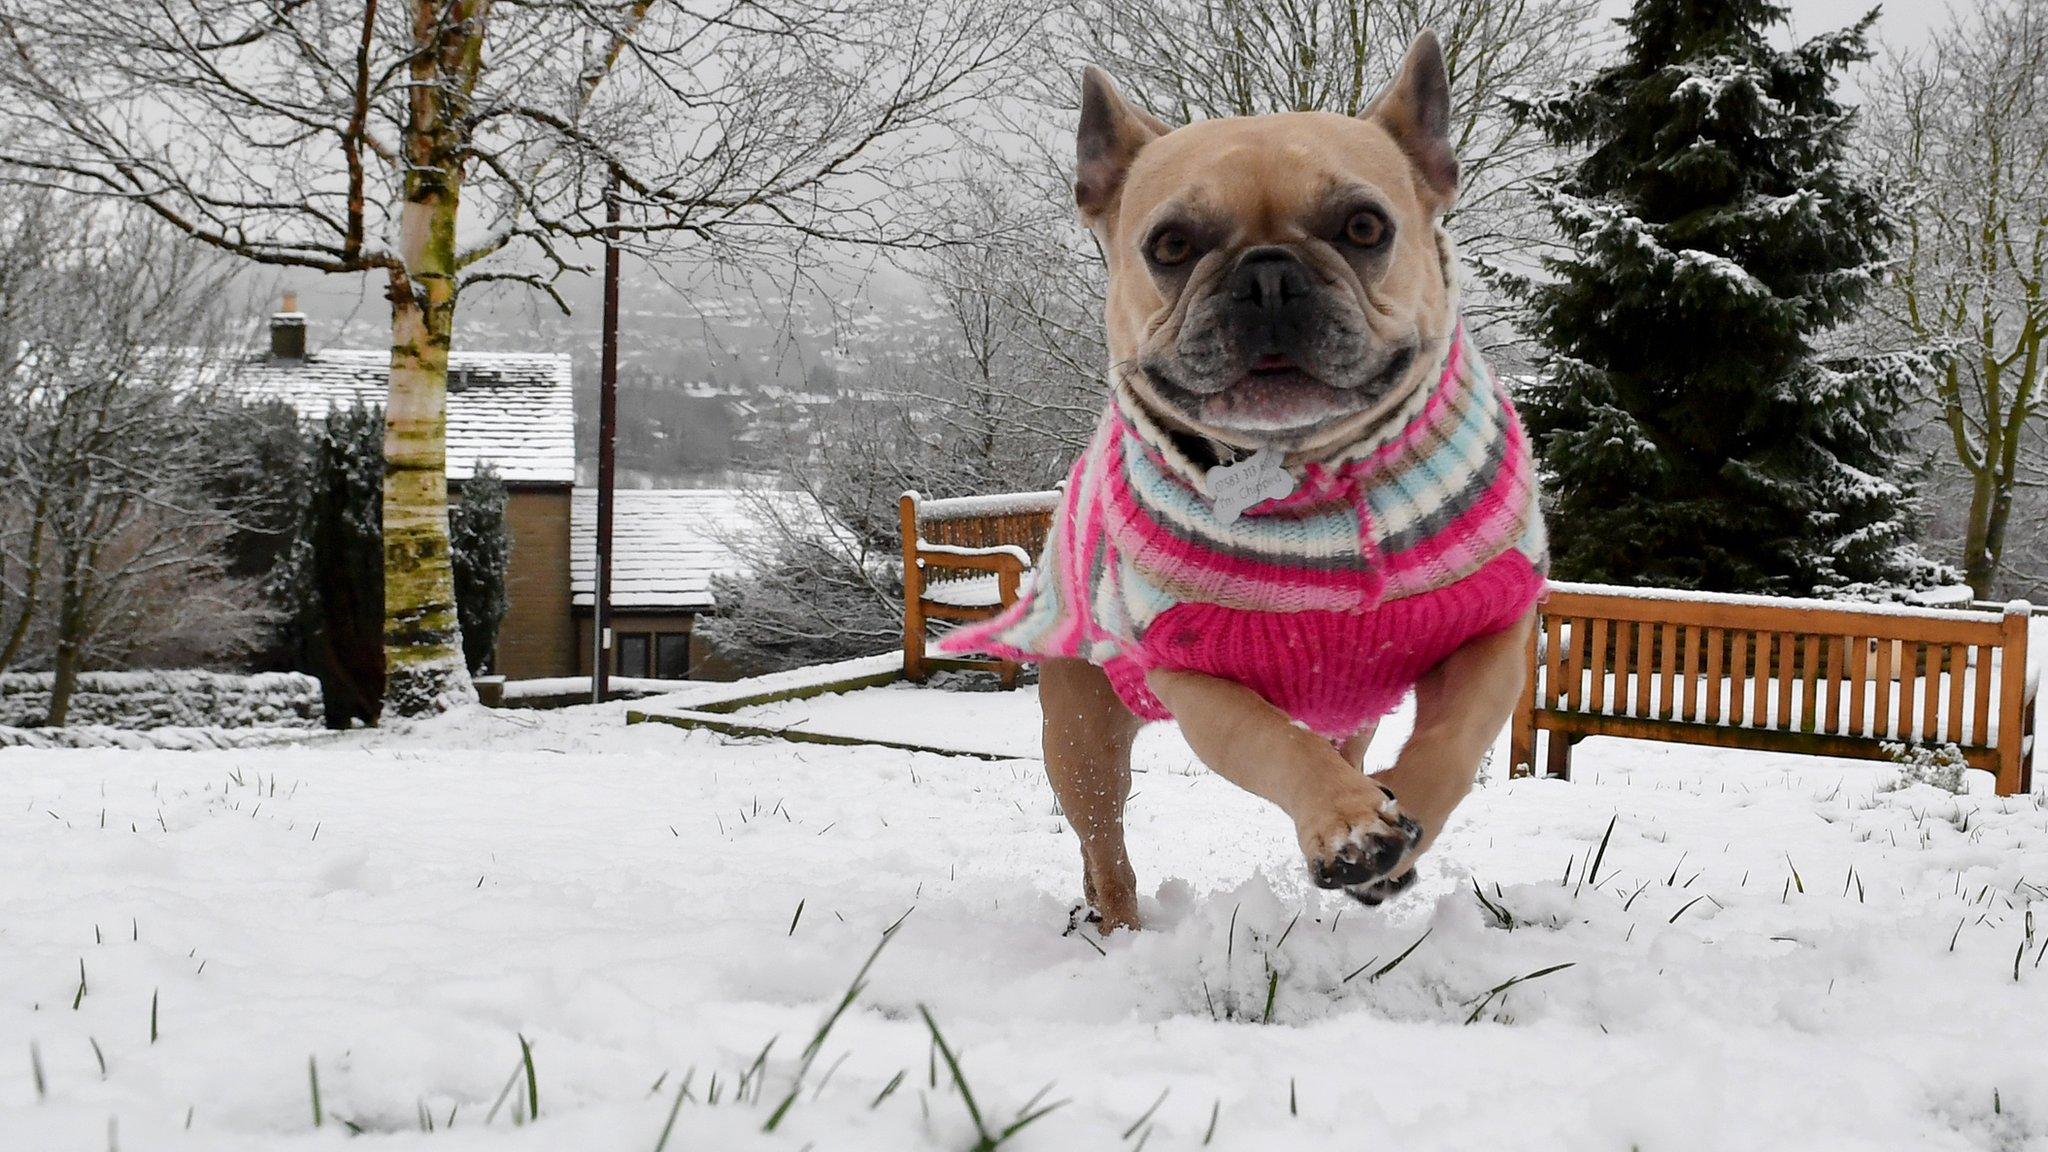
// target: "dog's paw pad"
[[1368, 853], [1375, 894]]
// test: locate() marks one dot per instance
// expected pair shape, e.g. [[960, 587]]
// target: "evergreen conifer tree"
[[335, 572], [1699, 421], [480, 548]]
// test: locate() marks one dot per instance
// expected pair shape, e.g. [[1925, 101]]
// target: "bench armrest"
[[994, 558]]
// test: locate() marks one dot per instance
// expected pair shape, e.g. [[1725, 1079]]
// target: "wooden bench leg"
[[1522, 746], [2015, 772], [1007, 673], [913, 645], [1559, 755]]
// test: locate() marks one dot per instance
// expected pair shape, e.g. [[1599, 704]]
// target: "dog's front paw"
[[1380, 891], [1361, 842]]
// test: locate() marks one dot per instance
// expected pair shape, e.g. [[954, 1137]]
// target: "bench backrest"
[[1878, 672], [1014, 519]]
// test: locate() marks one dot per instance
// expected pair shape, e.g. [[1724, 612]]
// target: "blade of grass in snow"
[[1283, 936], [1147, 1114], [1390, 965], [313, 1078], [1593, 873], [1502, 918], [532, 1082], [988, 1141], [673, 1110], [1502, 987], [888, 1089]]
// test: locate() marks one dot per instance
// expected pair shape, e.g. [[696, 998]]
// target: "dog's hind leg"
[[1088, 736], [1353, 747]]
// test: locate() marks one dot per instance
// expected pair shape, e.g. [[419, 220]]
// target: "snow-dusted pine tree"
[[1699, 423]]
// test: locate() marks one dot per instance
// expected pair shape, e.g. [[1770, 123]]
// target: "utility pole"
[[607, 427]]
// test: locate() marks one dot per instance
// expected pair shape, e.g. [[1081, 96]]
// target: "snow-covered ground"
[[1774, 952]]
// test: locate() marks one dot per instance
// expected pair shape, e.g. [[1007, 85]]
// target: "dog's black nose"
[[1268, 278]]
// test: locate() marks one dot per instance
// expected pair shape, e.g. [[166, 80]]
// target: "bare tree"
[[442, 144], [116, 545], [1960, 127], [1192, 59], [1006, 387]]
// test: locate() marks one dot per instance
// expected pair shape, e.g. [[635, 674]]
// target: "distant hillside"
[[699, 359]]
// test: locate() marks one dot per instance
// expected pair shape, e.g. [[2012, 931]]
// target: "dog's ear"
[[1416, 110], [1112, 130]]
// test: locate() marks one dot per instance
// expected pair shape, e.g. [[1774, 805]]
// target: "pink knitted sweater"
[[1330, 602]]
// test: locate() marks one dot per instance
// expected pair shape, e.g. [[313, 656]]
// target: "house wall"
[[668, 623], [538, 637]]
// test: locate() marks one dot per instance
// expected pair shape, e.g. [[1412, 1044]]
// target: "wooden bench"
[[964, 559], [1781, 675]]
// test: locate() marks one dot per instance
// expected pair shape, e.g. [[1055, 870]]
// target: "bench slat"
[[1881, 723], [1555, 691], [1980, 716], [1597, 651], [1738, 677], [1958, 667], [1929, 687], [1575, 661], [1667, 662], [1716, 641], [1810, 685], [1834, 671], [1859, 681], [1644, 670], [1688, 696], [1781, 715]]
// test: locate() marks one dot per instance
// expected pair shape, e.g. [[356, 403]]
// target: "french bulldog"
[[1279, 287]]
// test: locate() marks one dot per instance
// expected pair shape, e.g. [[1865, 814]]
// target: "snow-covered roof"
[[514, 410], [667, 543]]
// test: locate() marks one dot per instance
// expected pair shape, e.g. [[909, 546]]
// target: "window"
[[633, 652], [672, 656]]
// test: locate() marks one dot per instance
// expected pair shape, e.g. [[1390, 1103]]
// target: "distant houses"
[[515, 411]]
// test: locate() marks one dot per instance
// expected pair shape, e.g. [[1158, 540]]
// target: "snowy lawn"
[[1773, 952]]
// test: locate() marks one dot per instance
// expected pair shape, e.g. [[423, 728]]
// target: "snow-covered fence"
[[183, 699]]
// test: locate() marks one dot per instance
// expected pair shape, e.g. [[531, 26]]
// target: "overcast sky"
[[1904, 22]]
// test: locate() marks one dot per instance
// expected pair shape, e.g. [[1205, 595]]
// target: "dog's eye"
[[1367, 229], [1170, 247]]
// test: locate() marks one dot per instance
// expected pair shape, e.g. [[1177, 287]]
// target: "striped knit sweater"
[[1330, 602]]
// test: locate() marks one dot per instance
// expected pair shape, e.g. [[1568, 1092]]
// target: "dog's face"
[[1274, 280]]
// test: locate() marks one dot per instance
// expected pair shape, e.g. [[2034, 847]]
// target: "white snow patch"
[[400, 906]]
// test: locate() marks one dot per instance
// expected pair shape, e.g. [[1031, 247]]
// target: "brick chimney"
[[288, 330]]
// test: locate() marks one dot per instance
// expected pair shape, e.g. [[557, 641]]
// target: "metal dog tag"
[[1236, 487]]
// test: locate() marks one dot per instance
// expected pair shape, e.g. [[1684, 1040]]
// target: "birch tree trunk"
[[424, 669]]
